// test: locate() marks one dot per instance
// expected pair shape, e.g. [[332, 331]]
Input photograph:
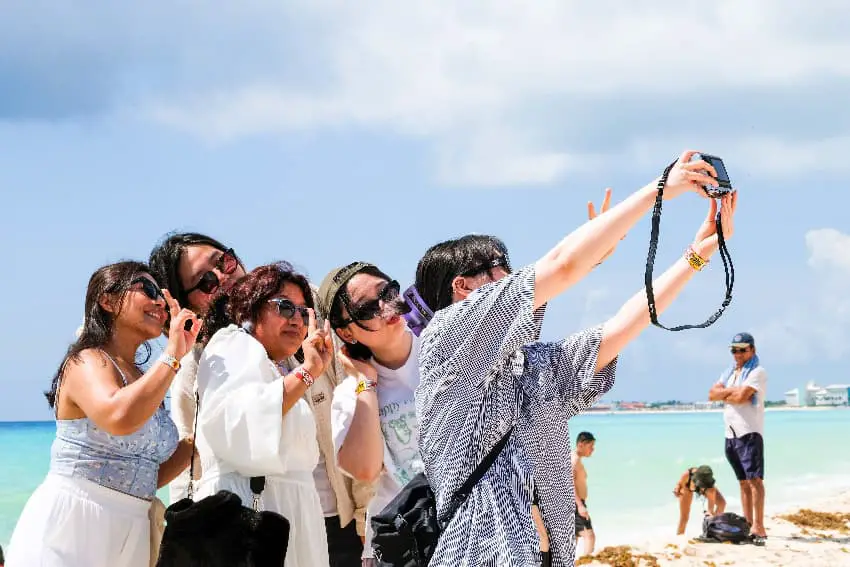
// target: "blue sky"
[[323, 132]]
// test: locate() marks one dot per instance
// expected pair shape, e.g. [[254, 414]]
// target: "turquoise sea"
[[637, 461]]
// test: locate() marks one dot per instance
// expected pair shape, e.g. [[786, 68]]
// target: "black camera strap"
[[650, 262]]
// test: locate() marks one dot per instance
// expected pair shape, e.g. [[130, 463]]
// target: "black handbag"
[[406, 532], [219, 531]]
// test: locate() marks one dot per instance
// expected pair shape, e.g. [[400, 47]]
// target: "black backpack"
[[726, 527], [406, 532]]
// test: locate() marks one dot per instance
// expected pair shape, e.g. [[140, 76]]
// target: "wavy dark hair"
[[241, 302], [98, 323], [443, 262], [165, 260]]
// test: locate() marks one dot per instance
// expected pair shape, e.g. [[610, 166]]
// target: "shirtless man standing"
[[584, 529]]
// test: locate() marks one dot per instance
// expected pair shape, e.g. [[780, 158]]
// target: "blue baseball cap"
[[743, 340]]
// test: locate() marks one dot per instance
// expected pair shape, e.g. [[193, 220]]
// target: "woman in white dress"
[[253, 420], [115, 444]]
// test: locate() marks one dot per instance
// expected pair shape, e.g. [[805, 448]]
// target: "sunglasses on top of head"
[[287, 309], [370, 309], [150, 289], [497, 262], [209, 282]]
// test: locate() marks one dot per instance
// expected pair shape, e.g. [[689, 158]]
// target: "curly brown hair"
[[241, 302]]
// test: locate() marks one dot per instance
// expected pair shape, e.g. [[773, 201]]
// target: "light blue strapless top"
[[126, 463]]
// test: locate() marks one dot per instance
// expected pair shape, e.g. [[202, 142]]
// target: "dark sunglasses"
[[736, 350], [370, 309], [287, 309], [150, 289], [498, 262], [209, 282]]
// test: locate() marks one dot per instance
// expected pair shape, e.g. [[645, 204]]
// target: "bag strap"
[[650, 262], [465, 490], [258, 483]]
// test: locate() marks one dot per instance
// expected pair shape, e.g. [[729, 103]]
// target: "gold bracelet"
[[696, 261]]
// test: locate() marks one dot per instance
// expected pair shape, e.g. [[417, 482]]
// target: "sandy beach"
[[648, 411], [804, 540]]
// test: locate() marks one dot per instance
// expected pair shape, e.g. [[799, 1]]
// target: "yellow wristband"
[[364, 385], [696, 261]]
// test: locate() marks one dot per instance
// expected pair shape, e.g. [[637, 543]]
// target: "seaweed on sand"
[[620, 556], [805, 518]]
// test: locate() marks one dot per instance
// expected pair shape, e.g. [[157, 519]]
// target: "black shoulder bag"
[[406, 532], [650, 263], [218, 531]]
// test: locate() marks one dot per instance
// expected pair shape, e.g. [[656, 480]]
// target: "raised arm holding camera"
[[488, 386]]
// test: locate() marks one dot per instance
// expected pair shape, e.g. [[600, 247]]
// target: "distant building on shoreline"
[[672, 405], [813, 395]]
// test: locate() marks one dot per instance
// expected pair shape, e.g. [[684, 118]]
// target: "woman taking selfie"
[[253, 420], [485, 377], [376, 435], [115, 443]]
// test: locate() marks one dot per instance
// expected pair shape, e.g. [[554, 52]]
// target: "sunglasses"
[[736, 350], [150, 289], [287, 309], [370, 309], [209, 282], [498, 262]]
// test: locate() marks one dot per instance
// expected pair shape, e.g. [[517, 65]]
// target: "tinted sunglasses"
[[370, 309], [736, 350], [209, 282], [287, 309], [150, 289], [498, 262]]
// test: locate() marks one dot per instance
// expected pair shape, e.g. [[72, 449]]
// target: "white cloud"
[[503, 92], [474, 78], [828, 249], [814, 320]]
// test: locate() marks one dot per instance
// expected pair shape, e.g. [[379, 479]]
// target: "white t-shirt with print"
[[397, 412], [741, 419]]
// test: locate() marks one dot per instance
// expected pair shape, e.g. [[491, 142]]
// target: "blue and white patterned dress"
[[482, 370]]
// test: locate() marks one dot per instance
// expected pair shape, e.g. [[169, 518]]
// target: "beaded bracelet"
[[305, 376]]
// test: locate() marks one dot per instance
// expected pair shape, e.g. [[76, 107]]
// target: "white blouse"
[[243, 433]]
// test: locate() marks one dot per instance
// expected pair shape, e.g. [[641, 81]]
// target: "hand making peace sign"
[[318, 346], [180, 340]]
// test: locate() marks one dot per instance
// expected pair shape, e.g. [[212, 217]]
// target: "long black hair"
[[443, 262], [165, 260], [98, 323]]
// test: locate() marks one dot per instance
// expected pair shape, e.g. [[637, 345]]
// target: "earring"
[[354, 341]]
